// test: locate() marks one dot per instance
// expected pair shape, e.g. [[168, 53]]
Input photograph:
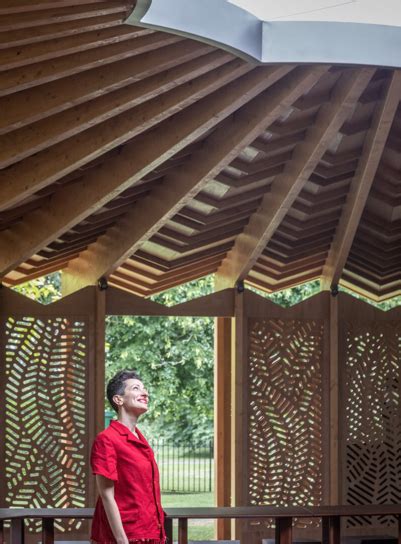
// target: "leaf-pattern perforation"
[[45, 434], [372, 418], [285, 413]]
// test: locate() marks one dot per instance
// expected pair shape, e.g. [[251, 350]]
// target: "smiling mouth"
[[143, 401]]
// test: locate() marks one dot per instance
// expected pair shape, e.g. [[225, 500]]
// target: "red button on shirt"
[[118, 455]]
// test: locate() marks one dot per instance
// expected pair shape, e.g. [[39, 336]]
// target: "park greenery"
[[173, 355]]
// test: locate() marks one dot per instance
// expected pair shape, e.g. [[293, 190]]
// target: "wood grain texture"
[[99, 119]]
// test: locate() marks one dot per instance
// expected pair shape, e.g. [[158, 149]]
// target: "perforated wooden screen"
[[286, 404], [47, 376], [292, 411], [285, 418], [370, 384]]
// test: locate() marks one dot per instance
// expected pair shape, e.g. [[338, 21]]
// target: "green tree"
[[44, 290], [294, 295], [174, 357]]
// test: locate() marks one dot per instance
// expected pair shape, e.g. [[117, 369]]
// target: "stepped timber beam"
[[211, 98], [50, 130], [87, 133], [361, 183], [84, 86], [250, 244], [42, 51], [218, 150], [38, 73]]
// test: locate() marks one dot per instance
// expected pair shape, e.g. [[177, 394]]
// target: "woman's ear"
[[118, 400]]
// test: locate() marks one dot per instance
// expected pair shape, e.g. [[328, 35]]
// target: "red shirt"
[[118, 455]]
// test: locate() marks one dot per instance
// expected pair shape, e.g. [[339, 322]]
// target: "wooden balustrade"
[[330, 516]]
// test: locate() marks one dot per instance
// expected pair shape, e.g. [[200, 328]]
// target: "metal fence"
[[185, 467]]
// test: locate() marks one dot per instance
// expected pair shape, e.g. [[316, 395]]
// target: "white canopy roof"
[[386, 12], [325, 31]]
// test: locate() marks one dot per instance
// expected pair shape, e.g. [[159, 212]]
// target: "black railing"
[[185, 467]]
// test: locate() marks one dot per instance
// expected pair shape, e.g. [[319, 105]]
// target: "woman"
[[128, 509]]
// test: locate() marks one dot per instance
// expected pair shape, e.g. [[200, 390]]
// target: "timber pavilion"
[[137, 155]]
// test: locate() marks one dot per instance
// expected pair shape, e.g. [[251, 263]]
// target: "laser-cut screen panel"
[[45, 377], [371, 418], [285, 413]]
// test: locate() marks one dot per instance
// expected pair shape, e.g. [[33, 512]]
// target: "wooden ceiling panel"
[[158, 159]]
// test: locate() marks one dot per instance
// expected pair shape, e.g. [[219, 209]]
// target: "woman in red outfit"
[[128, 509]]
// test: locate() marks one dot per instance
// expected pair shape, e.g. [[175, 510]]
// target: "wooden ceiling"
[[151, 159]]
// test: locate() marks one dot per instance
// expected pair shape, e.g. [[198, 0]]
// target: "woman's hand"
[[106, 491]]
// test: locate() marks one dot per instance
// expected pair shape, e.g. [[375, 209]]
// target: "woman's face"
[[136, 397]]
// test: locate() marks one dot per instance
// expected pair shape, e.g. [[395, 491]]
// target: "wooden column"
[[239, 423], [222, 410], [99, 360], [283, 533], [97, 370], [334, 391], [47, 530], [331, 533], [168, 528], [17, 531], [183, 531]]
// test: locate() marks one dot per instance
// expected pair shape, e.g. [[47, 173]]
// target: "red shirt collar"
[[123, 430]]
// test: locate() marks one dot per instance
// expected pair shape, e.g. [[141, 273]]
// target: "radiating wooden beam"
[[42, 72], [104, 182], [31, 175], [362, 182], [14, 57], [179, 187], [38, 15], [250, 244], [26, 107], [45, 133], [27, 36]]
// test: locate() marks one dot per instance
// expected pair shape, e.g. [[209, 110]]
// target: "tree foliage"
[[294, 295], [174, 357], [44, 290]]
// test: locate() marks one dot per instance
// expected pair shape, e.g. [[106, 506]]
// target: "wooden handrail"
[[283, 516]]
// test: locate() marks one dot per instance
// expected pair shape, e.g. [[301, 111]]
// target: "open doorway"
[[175, 358]]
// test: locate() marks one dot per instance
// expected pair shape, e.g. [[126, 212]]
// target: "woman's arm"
[[106, 491]]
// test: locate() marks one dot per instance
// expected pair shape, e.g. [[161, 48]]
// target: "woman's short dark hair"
[[116, 385]]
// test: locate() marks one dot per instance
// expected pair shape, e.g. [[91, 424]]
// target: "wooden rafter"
[[250, 244], [99, 119], [14, 57], [103, 123], [49, 31], [218, 150], [39, 73], [33, 12], [36, 172], [139, 157], [28, 106], [361, 183]]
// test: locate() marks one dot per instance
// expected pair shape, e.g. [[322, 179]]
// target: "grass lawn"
[[187, 500], [185, 471], [202, 529]]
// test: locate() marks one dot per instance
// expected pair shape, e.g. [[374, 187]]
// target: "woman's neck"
[[129, 420]]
